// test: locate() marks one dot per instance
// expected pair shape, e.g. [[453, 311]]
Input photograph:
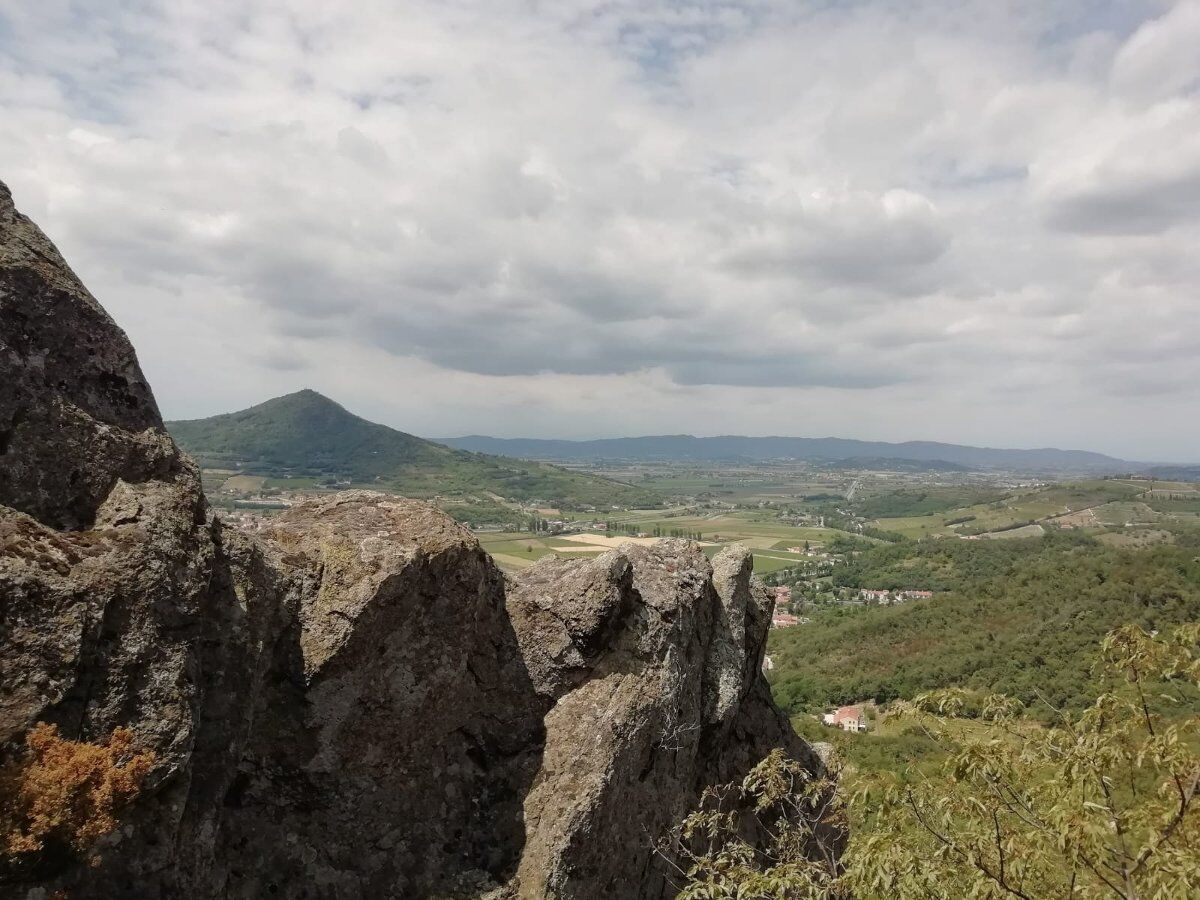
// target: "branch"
[[954, 848], [1185, 800]]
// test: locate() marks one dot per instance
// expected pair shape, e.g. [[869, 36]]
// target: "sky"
[[975, 222]]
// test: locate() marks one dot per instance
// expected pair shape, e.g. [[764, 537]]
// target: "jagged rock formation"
[[355, 703], [652, 658]]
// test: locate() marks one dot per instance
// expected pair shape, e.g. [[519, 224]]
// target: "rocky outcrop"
[[651, 657], [400, 732], [122, 601], [355, 703], [76, 413]]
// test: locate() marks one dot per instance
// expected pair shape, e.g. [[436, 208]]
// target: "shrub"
[[778, 833], [67, 792]]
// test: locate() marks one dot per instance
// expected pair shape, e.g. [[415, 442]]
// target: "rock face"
[[75, 412], [651, 657], [400, 732], [355, 703]]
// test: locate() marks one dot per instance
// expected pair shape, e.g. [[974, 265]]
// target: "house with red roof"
[[784, 620], [847, 718]]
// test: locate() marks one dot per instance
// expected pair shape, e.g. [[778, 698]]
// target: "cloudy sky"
[[970, 221]]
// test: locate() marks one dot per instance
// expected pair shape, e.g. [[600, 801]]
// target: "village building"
[[871, 596], [784, 620], [847, 718]]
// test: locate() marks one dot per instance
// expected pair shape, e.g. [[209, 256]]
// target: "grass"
[[1009, 534], [765, 564], [1137, 538], [1126, 512], [1174, 504]]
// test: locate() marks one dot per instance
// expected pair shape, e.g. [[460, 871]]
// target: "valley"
[[673, 450], [893, 577]]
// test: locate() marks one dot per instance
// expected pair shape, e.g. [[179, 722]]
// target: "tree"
[[777, 833], [1099, 803]]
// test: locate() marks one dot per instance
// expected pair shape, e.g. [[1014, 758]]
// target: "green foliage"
[[778, 833], [484, 514], [1098, 803], [1023, 617], [904, 750]]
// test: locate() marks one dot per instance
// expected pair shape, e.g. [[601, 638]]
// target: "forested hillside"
[[1022, 617]]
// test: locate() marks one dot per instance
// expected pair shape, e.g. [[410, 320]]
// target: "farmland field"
[[746, 486], [766, 537]]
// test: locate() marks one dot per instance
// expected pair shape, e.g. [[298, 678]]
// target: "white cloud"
[[880, 219]]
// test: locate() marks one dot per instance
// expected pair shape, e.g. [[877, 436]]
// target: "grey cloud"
[[1124, 206], [359, 147], [879, 197], [798, 371], [879, 241], [284, 361]]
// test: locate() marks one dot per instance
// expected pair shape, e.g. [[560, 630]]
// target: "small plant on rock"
[[67, 792]]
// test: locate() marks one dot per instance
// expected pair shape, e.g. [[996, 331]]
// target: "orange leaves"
[[67, 791]]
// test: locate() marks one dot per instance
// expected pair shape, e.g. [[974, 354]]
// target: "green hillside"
[[1022, 617], [306, 435]]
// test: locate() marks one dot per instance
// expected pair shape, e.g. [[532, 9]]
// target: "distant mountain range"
[[685, 447], [306, 434]]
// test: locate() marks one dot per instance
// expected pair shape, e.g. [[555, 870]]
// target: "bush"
[[778, 833], [67, 792]]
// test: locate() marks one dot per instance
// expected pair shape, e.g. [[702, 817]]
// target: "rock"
[[76, 413], [404, 731], [117, 594], [655, 657], [355, 702]]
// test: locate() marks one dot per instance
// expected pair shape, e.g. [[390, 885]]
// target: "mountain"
[[307, 434], [684, 447]]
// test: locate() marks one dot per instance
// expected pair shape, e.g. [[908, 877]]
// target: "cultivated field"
[[761, 531]]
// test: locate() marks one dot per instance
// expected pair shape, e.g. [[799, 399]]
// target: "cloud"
[[762, 215], [847, 239]]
